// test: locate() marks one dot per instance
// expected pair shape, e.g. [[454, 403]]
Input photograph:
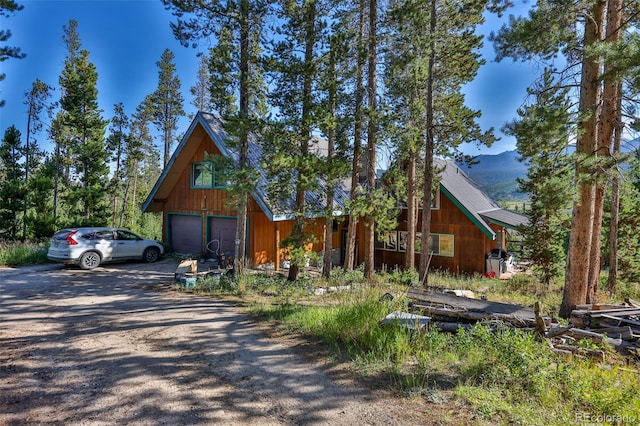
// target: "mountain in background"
[[497, 174]]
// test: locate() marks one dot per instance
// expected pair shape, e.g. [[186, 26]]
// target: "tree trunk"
[[331, 135], [241, 212], [369, 237], [577, 272], [410, 254], [428, 157], [305, 133], [608, 124], [350, 245], [615, 202]]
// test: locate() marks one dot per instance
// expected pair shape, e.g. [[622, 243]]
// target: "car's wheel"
[[89, 260], [151, 254]]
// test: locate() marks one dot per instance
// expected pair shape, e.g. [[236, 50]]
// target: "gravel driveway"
[[110, 346]]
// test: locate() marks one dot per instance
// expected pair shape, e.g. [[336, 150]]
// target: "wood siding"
[[470, 243]]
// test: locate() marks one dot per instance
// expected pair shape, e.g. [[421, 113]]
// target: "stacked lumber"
[[618, 325]]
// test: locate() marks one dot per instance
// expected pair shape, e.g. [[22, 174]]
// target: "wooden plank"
[[578, 333], [427, 297], [622, 320], [614, 312], [476, 316]]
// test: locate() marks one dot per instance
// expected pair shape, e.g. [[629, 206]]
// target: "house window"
[[439, 244], [387, 241], [442, 244], [203, 175]]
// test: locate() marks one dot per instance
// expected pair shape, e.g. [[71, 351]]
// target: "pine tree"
[[292, 162], [200, 90], [12, 190], [358, 52], [117, 142], [8, 7], [589, 36], [236, 74], [84, 130], [165, 105], [542, 134], [433, 52], [141, 169], [37, 101]]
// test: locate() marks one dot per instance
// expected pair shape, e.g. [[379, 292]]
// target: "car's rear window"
[[62, 235]]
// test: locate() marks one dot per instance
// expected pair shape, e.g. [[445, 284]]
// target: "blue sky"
[[126, 38]]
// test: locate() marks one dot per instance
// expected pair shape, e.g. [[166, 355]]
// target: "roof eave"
[[481, 224]]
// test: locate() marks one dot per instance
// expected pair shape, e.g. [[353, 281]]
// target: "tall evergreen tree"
[[236, 73], [141, 168], [543, 133], [85, 128], [37, 100], [334, 124], [12, 190], [165, 105], [200, 90], [359, 53], [117, 142], [589, 36], [433, 52], [292, 161], [8, 7], [372, 138]]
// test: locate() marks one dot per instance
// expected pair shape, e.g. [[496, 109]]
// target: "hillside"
[[497, 174]]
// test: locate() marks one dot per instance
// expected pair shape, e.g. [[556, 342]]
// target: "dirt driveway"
[[108, 347]]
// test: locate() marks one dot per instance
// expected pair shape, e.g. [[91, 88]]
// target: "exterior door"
[[185, 233], [128, 245]]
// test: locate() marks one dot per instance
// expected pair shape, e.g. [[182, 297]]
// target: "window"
[[104, 235], [124, 235], [203, 175], [442, 244], [387, 241], [439, 244]]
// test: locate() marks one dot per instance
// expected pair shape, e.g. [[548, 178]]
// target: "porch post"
[[277, 246]]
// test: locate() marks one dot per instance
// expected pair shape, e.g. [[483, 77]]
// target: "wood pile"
[[616, 325]]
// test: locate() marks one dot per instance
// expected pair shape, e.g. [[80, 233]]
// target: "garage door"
[[186, 234], [222, 236]]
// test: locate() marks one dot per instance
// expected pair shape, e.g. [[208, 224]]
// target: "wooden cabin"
[[468, 228], [197, 219], [466, 223]]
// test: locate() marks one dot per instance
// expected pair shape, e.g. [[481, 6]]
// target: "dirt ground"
[[116, 346]]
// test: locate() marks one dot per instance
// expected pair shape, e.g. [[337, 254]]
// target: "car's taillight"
[[70, 239]]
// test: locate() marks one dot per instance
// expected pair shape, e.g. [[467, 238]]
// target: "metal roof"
[[475, 204]]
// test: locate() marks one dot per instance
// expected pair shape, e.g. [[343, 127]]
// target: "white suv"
[[89, 247]]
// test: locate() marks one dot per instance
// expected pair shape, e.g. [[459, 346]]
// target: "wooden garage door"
[[186, 234], [222, 236]]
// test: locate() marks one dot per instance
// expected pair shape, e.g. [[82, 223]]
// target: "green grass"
[[502, 375], [21, 254]]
